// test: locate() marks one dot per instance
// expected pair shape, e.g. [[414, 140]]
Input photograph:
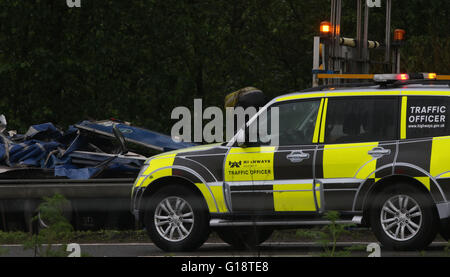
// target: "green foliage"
[[137, 60], [13, 237], [330, 234], [313, 234], [58, 228], [81, 236]]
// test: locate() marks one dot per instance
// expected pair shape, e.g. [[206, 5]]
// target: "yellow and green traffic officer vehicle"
[[379, 154]]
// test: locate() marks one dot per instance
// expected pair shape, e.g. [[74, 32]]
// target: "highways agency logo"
[[234, 164]]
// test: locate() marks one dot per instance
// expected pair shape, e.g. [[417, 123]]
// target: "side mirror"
[[121, 139]]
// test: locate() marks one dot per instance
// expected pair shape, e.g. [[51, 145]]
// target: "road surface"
[[217, 249]]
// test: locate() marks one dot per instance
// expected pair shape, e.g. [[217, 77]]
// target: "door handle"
[[379, 152], [297, 156]]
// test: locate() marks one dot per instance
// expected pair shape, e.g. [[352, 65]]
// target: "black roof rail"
[[381, 85], [347, 85]]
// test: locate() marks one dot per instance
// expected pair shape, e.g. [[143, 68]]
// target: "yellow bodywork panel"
[[440, 158], [220, 200], [139, 180], [293, 197], [208, 197], [348, 160], [249, 164], [431, 93], [317, 127], [157, 169], [403, 117], [322, 125], [160, 166], [319, 203], [424, 180], [300, 96], [445, 175]]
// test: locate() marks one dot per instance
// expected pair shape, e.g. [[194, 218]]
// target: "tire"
[[244, 237], [411, 214], [175, 232]]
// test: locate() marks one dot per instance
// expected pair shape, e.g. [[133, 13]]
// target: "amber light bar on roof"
[[442, 77]]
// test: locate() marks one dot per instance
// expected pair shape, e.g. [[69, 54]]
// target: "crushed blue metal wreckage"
[[84, 151]]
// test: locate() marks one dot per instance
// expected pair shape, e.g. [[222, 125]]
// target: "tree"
[[136, 60]]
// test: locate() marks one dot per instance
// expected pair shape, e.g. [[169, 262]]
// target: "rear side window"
[[427, 116], [361, 119]]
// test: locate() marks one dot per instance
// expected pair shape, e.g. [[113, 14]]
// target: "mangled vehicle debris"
[[93, 164]]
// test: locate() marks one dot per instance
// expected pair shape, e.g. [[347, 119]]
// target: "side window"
[[361, 119], [296, 123], [427, 116]]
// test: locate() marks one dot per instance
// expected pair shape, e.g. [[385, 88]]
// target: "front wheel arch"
[[160, 183]]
